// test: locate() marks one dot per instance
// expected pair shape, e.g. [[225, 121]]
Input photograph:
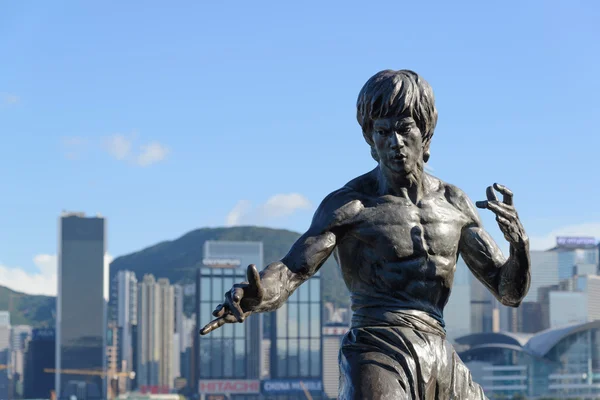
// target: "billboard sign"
[[220, 386], [575, 241], [290, 386], [221, 262]]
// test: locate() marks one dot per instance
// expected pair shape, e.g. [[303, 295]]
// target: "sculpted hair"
[[389, 94]]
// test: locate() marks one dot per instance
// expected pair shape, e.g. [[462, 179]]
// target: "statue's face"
[[399, 145]]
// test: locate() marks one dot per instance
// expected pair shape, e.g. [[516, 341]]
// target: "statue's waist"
[[393, 317]]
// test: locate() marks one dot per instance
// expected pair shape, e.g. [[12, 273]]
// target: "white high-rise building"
[[544, 271], [81, 306], [125, 303], [155, 333], [5, 386]]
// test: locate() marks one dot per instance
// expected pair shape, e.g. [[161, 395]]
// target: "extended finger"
[[499, 210], [507, 194], [234, 306], [491, 195], [254, 280], [217, 323]]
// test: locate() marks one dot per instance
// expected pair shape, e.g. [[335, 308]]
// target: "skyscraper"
[[40, 354], [296, 345], [5, 386], [19, 336], [125, 304], [545, 267], [230, 357], [155, 335], [81, 309], [178, 335], [572, 251]]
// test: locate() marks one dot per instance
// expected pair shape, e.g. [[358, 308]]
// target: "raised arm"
[[508, 279], [268, 290]]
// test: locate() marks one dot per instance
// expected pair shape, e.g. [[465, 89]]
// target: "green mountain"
[[37, 311], [178, 259]]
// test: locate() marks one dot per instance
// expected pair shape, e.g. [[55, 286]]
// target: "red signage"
[[154, 389], [229, 386]]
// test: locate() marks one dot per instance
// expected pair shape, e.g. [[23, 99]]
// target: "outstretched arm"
[[268, 290], [508, 279]]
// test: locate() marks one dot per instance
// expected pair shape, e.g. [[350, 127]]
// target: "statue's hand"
[[506, 215], [240, 302]]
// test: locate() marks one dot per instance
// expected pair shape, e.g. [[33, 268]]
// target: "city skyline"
[[194, 124]]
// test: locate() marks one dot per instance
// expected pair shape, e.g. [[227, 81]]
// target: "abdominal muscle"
[[389, 293]]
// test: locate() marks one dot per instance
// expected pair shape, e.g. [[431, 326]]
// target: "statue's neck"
[[410, 186]]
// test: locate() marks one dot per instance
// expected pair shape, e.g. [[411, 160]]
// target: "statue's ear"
[[426, 155]]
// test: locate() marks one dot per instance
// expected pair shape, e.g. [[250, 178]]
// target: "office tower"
[[296, 343], [544, 300], [5, 387], [81, 309], [578, 304], [155, 335], [572, 251], [229, 358], [457, 321], [483, 304], [188, 333], [40, 354], [178, 337], [567, 308], [590, 286], [124, 303], [544, 271], [19, 336]]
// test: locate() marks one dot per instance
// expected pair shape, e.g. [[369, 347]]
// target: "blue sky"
[[166, 118]]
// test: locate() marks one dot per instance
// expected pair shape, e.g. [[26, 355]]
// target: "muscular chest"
[[400, 229]]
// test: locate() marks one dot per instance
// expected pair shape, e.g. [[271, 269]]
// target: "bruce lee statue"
[[396, 233]]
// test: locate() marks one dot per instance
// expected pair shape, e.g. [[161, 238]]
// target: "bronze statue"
[[396, 233]]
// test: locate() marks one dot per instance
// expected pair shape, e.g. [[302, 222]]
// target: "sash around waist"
[[365, 317]]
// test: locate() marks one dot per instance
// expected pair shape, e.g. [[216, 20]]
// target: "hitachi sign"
[[229, 386], [221, 262]]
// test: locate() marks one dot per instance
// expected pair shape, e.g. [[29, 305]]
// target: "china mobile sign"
[[290, 386], [215, 386]]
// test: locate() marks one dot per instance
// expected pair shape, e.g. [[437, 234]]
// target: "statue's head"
[[396, 110]]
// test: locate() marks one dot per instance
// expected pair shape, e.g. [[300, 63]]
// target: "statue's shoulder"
[[343, 205], [458, 198]]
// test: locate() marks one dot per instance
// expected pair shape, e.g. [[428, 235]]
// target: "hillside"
[[37, 311], [178, 259]]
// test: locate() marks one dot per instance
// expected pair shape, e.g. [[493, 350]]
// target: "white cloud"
[[9, 99], [545, 242], [43, 281], [278, 206], [119, 146], [151, 153], [237, 213]]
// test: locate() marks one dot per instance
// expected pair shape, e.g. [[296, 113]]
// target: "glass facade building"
[[296, 342], [40, 354], [229, 357], [556, 363], [81, 320]]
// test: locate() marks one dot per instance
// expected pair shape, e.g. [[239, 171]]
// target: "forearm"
[[279, 282], [515, 277]]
